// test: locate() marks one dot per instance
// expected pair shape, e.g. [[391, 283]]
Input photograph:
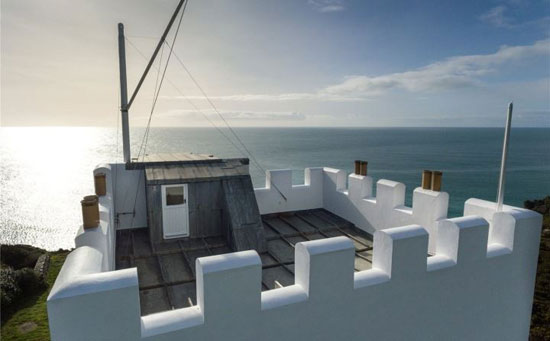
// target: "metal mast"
[[123, 94], [124, 104]]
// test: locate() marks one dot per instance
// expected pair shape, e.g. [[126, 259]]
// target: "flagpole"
[[502, 180]]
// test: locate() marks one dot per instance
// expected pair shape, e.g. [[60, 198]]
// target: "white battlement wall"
[[326, 188], [478, 285]]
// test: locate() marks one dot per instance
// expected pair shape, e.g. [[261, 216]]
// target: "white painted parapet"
[[279, 195], [354, 201], [130, 204], [102, 238], [464, 292], [357, 205], [88, 304], [116, 209], [478, 285]]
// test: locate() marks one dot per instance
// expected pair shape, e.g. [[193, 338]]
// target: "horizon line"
[[275, 127]]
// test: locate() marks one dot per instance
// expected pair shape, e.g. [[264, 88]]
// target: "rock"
[[42, 265]]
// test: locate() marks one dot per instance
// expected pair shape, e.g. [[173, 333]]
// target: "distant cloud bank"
[[454, 72], [451, 73], [232, 115]]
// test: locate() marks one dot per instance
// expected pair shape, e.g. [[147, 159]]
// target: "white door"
[[175, 211]]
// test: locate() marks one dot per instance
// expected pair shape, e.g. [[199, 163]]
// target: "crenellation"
[[355, 202], [359, 187], [429, 208], [390, 194], [228, 281], [279, 178], [110, 295], [516, 229], [463, 239], [303, 197], [508, 227], [401, 252], [473, 255], [334, 179], [325, 267]]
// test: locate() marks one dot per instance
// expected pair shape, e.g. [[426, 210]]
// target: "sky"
[[279, 63]]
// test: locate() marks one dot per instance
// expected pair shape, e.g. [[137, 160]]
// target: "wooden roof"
[[184, 171], [177, 157]]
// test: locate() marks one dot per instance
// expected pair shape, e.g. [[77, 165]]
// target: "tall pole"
[[501, 182], [123, 94], [157, 49]]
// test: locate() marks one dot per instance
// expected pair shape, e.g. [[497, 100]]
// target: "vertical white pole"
[[123, 94], [501, 182]]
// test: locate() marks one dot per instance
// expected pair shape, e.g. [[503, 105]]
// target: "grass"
[[33, 308]]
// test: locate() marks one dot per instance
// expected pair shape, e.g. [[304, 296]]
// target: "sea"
[[45, 171]]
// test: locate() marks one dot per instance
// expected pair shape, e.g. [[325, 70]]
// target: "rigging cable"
[[163, 75], [223, 118], [146, 134], [191, 103]]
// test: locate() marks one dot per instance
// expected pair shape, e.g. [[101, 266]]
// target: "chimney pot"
[[364, 168], [436, 181], [427, 179], [357, 167]]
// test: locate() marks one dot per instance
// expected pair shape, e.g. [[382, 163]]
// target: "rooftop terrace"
[[482, 265], [166, 272]]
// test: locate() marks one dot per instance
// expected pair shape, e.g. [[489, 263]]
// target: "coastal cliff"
[[540, 319]]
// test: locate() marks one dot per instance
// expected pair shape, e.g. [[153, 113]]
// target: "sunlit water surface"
[[45, 171]]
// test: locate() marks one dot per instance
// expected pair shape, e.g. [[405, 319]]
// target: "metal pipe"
[[123, 94], [501, 182]]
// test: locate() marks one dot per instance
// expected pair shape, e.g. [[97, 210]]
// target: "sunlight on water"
[[44, 172]]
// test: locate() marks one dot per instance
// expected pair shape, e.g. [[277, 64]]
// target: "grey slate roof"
[[173, 172]]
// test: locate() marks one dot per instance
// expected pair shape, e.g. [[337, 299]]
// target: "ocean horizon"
[[46, 170]]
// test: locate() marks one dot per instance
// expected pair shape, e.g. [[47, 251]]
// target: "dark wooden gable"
[[221, 198]]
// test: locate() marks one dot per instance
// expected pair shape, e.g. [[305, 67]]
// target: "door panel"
[[175, 211]]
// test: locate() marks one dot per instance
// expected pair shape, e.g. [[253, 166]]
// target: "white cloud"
[[454, 72], [451, 73], [326, 6], [496, 17]]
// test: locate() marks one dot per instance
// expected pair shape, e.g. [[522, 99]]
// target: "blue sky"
[[282, 63]]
